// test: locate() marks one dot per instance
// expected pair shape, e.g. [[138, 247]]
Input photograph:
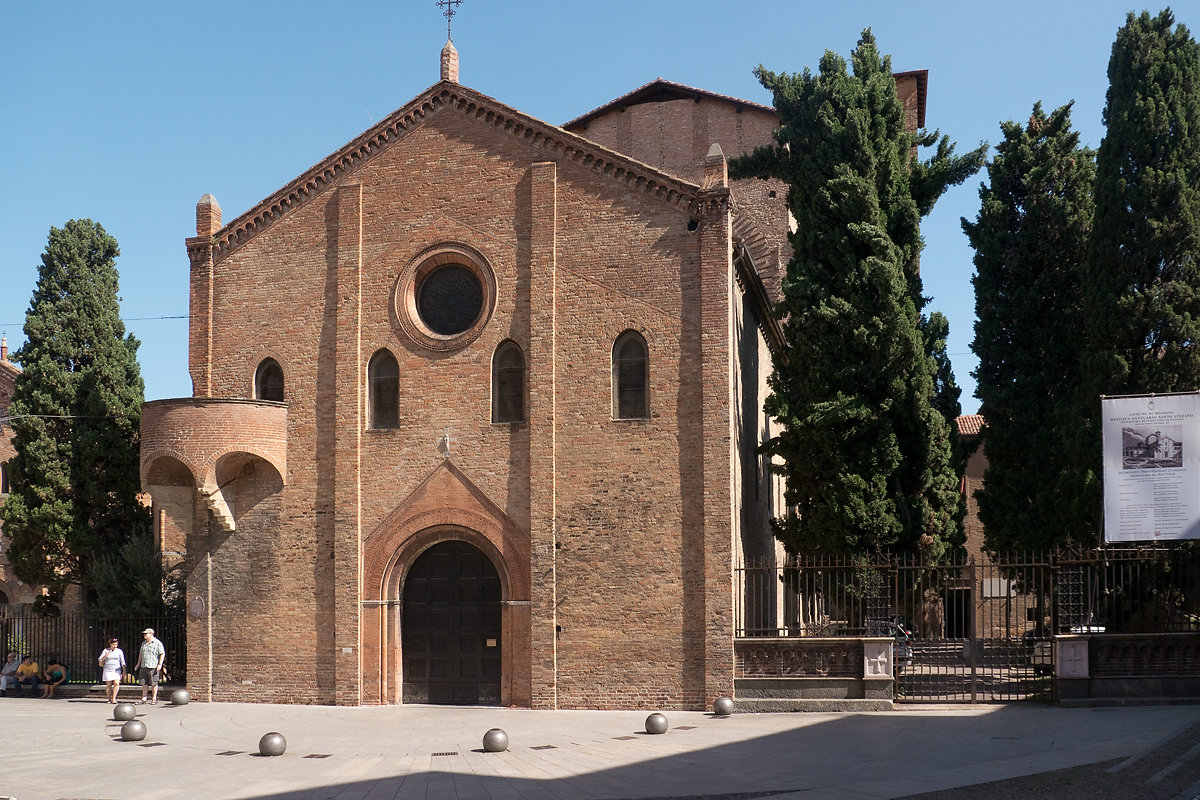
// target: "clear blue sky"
[[128, 112]]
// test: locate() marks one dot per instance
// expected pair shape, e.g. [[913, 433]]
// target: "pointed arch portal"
[[451, 627]]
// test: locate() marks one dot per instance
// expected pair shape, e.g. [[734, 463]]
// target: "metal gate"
[[986, 631], [980, 630]]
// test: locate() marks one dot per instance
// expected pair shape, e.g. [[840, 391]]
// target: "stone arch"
[[397, 578], [447, 506], [169, 468], [171, 482], [243, 481], [13, 594]]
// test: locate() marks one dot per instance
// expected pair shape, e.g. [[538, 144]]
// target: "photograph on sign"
[[1151, 467]]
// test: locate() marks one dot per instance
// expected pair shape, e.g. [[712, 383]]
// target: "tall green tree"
[[1030, 240], [1144, 279], [866, 455], [946, 392], [131, 581], [76, 409]]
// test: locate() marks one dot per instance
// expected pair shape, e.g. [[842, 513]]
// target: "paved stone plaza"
[[71, 748]]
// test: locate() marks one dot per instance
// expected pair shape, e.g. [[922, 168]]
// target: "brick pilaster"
[[200, 326], [542, 381], [717, 335], [347, 543]]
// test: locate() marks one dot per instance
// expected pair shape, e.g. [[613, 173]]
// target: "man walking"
[[149, 664]]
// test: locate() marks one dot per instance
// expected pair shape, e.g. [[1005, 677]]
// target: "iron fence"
[[1119, 589], [76, 640], [980, 629]]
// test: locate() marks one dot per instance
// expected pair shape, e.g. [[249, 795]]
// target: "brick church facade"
[[476, 407]]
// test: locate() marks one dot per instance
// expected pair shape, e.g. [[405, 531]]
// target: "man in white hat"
[[149, 664]]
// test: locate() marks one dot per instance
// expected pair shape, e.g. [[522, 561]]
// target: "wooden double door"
[[450, 627]]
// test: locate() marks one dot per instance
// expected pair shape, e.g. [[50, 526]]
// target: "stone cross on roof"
[[448, 12]]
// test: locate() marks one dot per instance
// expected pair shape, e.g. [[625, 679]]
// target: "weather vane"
[[449, 12]]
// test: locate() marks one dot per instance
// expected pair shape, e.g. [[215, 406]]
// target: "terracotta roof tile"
[[969, 424]]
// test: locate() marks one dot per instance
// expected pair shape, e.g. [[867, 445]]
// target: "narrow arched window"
[[3, 477], [630, 377], [508, 383], [268, 381], [383, 380]]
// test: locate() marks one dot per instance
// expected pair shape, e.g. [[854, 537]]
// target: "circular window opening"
[[450, 299], [445, 296]]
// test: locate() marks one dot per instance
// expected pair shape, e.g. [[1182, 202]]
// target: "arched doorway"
[[450, 627]]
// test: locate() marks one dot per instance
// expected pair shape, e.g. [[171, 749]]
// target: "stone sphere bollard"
[[133, 731], [123, 712], [656, 723], [272, 744], [495, 741], [723, 706], [180, 697]]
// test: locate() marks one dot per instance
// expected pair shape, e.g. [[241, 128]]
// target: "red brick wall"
[[675, 136], [599, 525]]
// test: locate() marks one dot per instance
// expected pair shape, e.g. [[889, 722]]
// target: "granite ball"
[[656, 723], [133, 731], [272, 744], [495, 741], [123, 712], [723, 706], [180, 697]]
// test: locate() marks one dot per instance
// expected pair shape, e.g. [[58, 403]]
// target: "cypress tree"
[[1030, 240], [946, 392], [1144, 279], [865, 454], [76, 409]]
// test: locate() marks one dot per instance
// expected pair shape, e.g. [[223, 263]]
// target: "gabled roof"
[[448, 96], [969, 424], [658, 91], [9, 368], [8, 379]]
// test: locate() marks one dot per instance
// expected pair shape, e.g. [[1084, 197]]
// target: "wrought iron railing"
[[76, 640], [1001, 596]]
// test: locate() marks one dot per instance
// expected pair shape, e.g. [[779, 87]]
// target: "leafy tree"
[[1144, 278], [76, 408], [1030, 241], [129, 581], [866, 455]]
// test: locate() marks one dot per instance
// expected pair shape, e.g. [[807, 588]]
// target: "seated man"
[[8, 674], [27, 673]]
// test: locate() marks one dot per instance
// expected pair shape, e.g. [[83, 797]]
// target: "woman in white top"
[[113, 662]]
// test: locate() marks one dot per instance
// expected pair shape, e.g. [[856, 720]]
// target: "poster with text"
[[1151, 467]]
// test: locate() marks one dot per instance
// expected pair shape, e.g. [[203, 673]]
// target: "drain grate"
[[686, 728], [231, 753], [544, 747], [318, 755], [447, 753], [152, 744], [624, 738]]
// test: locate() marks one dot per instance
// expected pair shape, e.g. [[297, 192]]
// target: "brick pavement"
[[71, 748]]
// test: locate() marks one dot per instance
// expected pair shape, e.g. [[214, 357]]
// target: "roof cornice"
[[447, 96]]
